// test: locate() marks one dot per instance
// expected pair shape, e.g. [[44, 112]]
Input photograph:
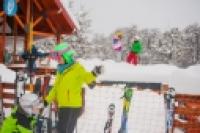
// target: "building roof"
[[49, 16]]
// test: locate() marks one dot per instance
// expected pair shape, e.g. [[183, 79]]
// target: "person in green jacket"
[[135, 50], [68, 87], [18, 122]]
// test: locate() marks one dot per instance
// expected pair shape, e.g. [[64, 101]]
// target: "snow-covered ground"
[[146, 114], [147, 111]]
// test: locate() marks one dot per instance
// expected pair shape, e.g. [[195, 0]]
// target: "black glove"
[[92, 85], [97, 70]]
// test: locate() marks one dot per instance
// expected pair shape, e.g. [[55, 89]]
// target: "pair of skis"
[[170, 101], [111, 112], [20, 80], [128, 93], [45, 122]]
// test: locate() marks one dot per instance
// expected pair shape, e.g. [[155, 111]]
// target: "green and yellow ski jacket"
[[11, 125], [67, 89]]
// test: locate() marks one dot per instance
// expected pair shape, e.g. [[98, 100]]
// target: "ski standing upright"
[[128, 93], [111, 113], [170, 101], [21, 78]]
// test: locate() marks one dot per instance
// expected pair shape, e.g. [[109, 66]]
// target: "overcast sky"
[[107, 15]]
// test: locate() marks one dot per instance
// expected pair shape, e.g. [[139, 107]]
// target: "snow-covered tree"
[[79, 40], [192, 40]]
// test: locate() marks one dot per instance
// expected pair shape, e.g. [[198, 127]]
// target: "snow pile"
[[183, 80], [186, 80], [6, 74]]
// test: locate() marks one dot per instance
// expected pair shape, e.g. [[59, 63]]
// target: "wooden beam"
[[28, 10], [54, 11], [1, 13], [9, 86], [6, 34], [193, 124], [19, 21], [8, 95], [38, 5], [15, 38], [2, 40], [187, 111], [37, 21], [4, 24], [47, 19], [43, 34], [51, 25]]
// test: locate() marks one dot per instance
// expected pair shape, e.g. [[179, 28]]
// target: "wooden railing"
[[189, 109]]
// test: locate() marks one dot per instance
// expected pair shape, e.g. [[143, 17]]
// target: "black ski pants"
[[67, 119]]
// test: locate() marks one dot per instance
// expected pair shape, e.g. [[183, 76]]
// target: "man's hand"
[[98, 70]]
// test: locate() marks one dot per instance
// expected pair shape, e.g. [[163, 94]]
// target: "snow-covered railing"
[[7, 92], [39, 71], [139, 85]]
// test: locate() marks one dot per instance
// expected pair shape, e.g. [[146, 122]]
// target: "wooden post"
[[15, 40], [164, 88], [29, 34], [2, 43], [2, 40], [29, 26], [43, 34], [58, 38], [1, 102], [1, 13]]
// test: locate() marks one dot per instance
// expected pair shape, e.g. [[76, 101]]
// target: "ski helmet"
[[61, 47], [136, 38], [119, 34], [29, 101], [67, 54]]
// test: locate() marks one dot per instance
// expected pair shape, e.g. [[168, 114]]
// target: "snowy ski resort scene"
[[85, 66]]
